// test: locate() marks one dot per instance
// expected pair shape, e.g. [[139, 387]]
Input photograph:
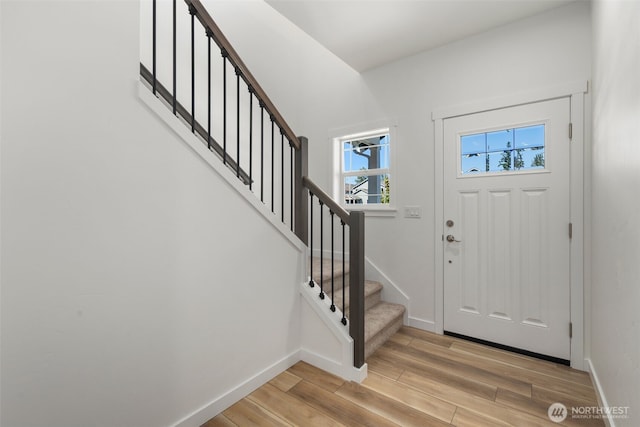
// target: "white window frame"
[[339, 175]]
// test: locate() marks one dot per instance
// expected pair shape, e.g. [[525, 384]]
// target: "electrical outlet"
[[412, 212]]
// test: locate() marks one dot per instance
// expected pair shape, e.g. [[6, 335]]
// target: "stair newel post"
[[356, 285], [301, 199]]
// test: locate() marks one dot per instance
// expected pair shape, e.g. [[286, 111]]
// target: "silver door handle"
[[450, 238]]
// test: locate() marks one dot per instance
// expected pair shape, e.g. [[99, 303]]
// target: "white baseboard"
[[219, 404], [426, 325], [602, 399], [349, 373]]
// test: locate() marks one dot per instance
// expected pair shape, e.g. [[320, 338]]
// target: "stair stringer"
[[183, 131], [390, 291], [325, 341]]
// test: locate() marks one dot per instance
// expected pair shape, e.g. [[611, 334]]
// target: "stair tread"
[[326, 268], [379, 316]]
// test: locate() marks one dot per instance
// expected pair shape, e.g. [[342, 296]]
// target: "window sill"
[[374, 211]]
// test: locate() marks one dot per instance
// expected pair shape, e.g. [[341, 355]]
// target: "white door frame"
[[576, 92]]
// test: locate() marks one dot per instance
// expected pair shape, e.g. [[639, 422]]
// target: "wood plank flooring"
[[420, 379]]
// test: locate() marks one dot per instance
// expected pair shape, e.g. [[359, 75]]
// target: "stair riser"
[[381, 337], [369, 301]]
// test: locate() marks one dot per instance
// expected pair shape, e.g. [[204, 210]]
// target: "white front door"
[[506, 233]]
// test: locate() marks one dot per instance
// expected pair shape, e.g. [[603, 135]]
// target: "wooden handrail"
[[326, 199], [207, 21]]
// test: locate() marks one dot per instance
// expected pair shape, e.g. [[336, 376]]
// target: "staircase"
[[249, 136], [381, 320]]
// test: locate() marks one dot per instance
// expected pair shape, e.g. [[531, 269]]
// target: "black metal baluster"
[[174, 59], [311, 284], [250, 138], [333, 270], [261, 151], [291, 183], [209, 36], [192, 11], [238, 73], [344, 319], [154, 47], [272, 162], [281, 175], [224, 106], [321, 252]]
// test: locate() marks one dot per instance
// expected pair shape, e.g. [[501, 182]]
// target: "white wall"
[[137, 287], [535, 53], [615, 322], [113, 273]]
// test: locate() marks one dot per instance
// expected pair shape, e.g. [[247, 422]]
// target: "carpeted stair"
[[382, 319]]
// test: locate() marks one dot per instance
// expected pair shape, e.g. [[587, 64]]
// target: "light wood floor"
[[420, 379]]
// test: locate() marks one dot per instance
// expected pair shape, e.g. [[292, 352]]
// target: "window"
[[515, 149], [365, 177]]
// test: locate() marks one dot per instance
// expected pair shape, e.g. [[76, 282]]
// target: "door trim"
[[576, 92]]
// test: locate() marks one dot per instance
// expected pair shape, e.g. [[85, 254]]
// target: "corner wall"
[[615, 320], [137, 287]]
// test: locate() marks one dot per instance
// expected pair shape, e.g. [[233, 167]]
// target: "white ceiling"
[[369, 33]]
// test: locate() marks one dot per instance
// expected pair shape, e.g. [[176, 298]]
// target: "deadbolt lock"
[[450, 223]]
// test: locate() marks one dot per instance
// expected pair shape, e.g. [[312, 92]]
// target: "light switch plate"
[[412, 212]]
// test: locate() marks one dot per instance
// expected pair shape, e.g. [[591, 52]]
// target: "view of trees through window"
[[512, 149], [366, 170]]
